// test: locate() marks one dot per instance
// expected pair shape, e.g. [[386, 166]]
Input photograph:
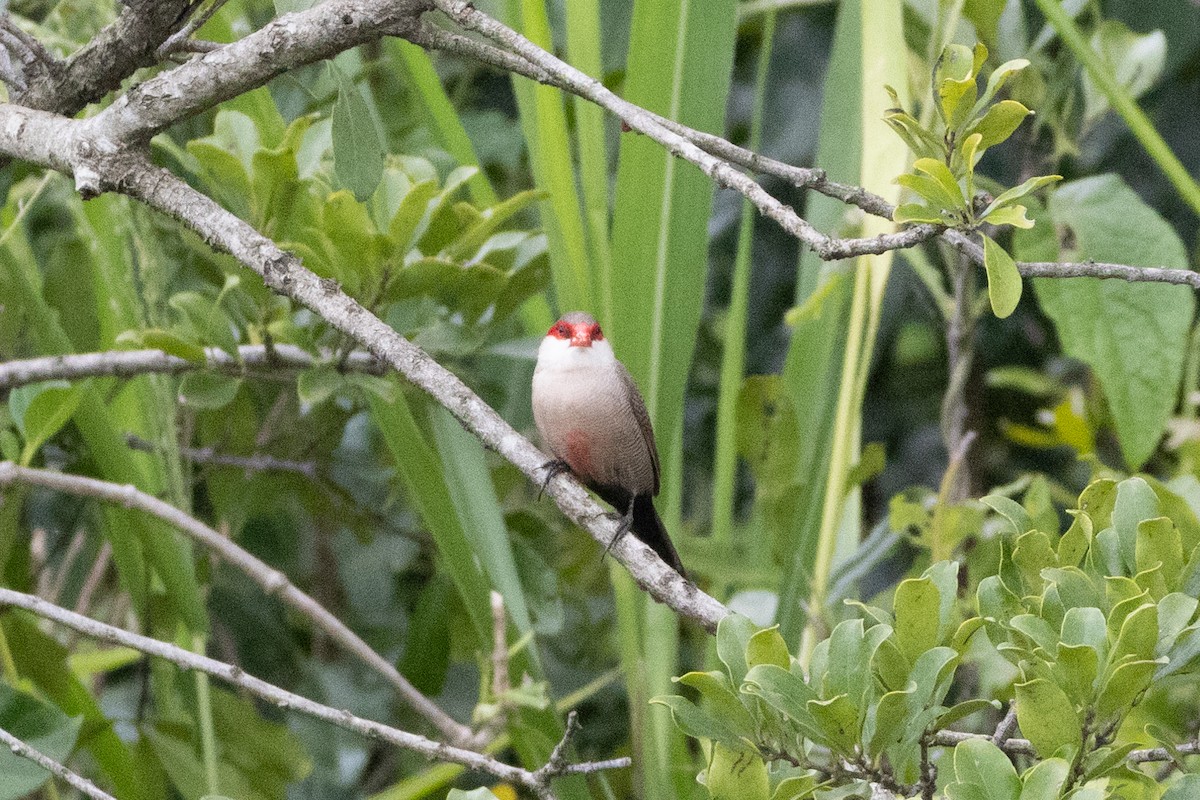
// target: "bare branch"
[[115, 53], [73, 780], [131, 363], [251, 464], [273, 582], [283, 44], [285, 699]]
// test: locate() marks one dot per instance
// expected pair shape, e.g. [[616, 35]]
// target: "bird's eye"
[[597, 334], [560, 330]]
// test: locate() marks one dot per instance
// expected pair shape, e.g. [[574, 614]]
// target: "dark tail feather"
[[648, 527]]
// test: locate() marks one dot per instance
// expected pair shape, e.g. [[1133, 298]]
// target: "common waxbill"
[[591, 415]]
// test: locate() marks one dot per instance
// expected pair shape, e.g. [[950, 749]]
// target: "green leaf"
[[1044, 781], [768, 647], [718, 698], [1047, 717], [1137, 351], [208, 390], [1015, 513], [787, 694], [931, 190], [357, 151], [996, 81], [917, 602], [1010, 215], [40, 725], [696, 722], [174, 345], [939, 172], [203, 315], [40, 410], [983, 772], [917, 213], [408, 216], [1122, 688], [1187, 787], [1000, 122], [1135, 60], [735, 774], [1004, 280], [795, 788], [1017, 192]]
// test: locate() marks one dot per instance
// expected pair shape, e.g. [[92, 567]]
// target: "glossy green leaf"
[[735, 774], [40, 725], [982, 772], [1047, 717], [718, 697], [767, 647], [1139, 365], [40, 410], [357, 151], [1004, 280], [1044, 781], [917, 602], [1000, 122]]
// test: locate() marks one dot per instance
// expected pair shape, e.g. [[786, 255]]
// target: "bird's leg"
[[626, 522], [554, 467]]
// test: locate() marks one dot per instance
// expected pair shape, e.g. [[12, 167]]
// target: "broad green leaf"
[[1009, 215], [735, 774], [917, 213], [917, 602], [1017, 192], [1158, 543], [1044, 781], [837, 718], [482, 793], [1047, 717], [1123, 686], [174, 345], [207, 321], [785, 692], [40, 725], [409, 214], [795, 788], [1012, 511], [696, 722], [733, 637], [996, 81], [357, 150], [933, 191], [1132, 336], [40, 410], [1000, 122], [768, 647], [983, 772], [1004, 281], [1187, 787], [941, 174], [719, 699]]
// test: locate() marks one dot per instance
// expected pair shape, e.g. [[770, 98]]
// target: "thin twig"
[[179, 39], [270, 580], [75, 781], [251, 464], [131, 363], [1006, 727], [280, 697]]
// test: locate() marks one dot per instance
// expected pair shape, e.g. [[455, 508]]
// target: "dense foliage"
[[929, 496]]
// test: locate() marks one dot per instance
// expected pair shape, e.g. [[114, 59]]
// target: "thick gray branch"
[[115, 53], [285, 43]]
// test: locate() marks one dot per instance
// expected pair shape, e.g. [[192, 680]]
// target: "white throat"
[[557, 355]]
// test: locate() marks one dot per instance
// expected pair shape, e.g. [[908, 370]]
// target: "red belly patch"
[[579, 452]]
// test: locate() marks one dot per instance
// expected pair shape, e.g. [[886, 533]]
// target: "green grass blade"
[[415, 64], [584, 49], [733, 356], [544, 122]]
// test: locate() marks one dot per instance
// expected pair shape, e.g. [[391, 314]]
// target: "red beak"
[[581, 337]]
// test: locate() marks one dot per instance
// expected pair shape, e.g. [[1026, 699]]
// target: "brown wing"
[[638, 405]]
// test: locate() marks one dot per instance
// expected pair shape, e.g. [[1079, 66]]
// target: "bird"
[[590, 414]]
